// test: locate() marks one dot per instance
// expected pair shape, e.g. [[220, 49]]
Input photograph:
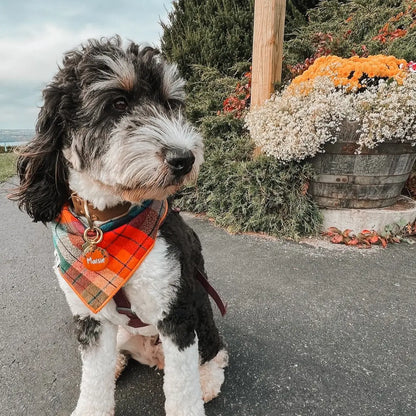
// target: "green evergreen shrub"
[[218, 33], [215, 33], [296, 15], [239, 192]]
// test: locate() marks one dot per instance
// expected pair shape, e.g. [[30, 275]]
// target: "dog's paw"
[[90, 410], [91, 413], [121, 363], [211, 375]]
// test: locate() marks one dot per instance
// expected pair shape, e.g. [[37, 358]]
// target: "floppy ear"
[[41, 166]]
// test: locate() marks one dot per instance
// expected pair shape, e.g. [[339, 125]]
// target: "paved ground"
[[311, 330]]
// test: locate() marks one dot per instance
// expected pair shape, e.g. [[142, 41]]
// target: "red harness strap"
[[123, 305], [211, 291]]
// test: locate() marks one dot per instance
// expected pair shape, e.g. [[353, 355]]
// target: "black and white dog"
[[112, 130]]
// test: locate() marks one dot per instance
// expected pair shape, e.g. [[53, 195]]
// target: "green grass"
[[7, 165]]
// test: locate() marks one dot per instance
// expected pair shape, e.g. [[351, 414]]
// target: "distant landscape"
[[15, 137]]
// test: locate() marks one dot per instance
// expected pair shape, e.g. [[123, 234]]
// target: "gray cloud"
[[35, 34], [129, 16], [19, 104]]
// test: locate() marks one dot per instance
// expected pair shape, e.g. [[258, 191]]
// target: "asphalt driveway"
[[311, 329]]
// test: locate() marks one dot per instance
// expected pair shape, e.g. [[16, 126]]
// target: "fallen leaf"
[[337, 239], [373, 239]]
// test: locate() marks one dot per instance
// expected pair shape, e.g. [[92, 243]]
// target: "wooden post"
[[269, 23]]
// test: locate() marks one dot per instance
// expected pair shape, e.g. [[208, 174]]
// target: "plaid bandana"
[[128, 240]]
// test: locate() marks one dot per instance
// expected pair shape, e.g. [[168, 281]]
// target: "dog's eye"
[[120, 104]]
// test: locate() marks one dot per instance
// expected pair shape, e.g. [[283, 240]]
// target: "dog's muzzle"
[[180, 161]]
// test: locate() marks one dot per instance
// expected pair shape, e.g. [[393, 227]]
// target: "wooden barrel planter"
[[372, 179]]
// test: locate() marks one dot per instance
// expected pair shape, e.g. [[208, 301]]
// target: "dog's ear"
[[41, 166]]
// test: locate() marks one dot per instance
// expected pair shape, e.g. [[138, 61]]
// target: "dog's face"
[[128, 131], [113, 115]]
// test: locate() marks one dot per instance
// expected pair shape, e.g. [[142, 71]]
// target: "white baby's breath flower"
[[293, 125]]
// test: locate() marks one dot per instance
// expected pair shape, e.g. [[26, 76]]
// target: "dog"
[[111, 146]]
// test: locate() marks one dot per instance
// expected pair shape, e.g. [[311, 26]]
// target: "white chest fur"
[[153, 286]]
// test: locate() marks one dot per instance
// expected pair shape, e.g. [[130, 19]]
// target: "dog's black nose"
[[180, 161]]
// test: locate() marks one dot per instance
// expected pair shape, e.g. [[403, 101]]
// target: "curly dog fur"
[[112, 129]]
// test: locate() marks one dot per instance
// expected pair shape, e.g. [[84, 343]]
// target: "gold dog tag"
[[94, 258]]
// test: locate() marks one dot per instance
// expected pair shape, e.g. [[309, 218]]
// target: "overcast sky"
[[35, 33]]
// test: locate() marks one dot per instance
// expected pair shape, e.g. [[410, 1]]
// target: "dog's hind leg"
[[211, 375], [213, 356], [121, 363], [98, 353], [144, 349]]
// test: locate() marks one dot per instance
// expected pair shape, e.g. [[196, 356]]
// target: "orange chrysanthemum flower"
[[350, 72]]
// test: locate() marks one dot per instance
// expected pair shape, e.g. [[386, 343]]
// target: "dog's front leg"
[[181, 381], [98, 352]]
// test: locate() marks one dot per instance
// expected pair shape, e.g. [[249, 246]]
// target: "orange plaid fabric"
[[128, 240]]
